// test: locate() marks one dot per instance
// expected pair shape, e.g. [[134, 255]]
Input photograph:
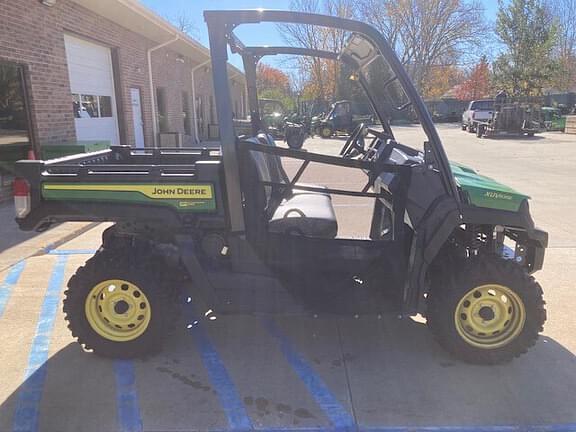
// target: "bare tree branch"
[[427, 33], [184, 22]]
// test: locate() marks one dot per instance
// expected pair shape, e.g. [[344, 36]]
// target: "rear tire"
[[118, 305], [326, 132], [501, 323]]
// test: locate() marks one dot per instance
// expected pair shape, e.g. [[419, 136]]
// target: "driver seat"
[[309, 214]]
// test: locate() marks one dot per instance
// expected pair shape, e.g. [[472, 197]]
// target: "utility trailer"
[[518, 118], [229, 228]]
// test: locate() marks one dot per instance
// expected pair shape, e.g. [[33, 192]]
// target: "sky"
[[266, 34]]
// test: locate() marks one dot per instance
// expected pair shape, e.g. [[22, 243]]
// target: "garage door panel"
[[90, 71]]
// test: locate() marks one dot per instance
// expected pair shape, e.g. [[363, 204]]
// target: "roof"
[[132, 15]]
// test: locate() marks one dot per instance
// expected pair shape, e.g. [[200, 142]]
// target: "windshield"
[[269, 107], [482, 105]]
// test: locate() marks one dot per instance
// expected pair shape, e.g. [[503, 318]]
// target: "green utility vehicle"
[[344, 116], [273, 115], [553, 119], [234, 231]]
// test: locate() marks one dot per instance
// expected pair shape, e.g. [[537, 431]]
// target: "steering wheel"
[[354, 142]]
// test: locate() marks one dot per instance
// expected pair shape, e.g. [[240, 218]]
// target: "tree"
[[272, 83], [440, 80], [564, 15], [477, 84], [322, 75], [529, 35], [268, 77], [184, 22], [427, 34]]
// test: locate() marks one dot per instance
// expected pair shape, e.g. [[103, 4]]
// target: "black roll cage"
[[221, 25]]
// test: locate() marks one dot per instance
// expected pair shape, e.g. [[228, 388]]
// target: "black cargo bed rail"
[[121, 162]]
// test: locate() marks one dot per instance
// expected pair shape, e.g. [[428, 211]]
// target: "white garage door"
[[92, 87]]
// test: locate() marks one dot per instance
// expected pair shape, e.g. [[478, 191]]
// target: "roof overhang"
[[137, 18]]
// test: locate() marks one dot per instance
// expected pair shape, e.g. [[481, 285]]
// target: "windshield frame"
[[221, 25]]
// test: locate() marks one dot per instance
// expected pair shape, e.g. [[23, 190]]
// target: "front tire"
[[479, 131], [118, 306], [488, 312]]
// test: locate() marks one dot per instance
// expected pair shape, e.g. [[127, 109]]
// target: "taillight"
[[21, 197]]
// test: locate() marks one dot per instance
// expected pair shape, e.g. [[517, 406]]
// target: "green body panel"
[[129, 193], [53, 151], [486, 192]]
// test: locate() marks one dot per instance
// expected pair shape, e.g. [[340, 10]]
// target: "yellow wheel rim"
[[490, 316], [118, 310], [326, 132]]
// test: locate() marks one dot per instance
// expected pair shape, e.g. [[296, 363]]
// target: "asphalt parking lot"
[[304, 372]]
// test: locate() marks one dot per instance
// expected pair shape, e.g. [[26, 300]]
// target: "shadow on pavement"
[[397, 376], [10, 234], [402, 377], [517, 138]]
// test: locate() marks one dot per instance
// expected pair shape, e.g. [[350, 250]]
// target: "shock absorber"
[[475, 240]]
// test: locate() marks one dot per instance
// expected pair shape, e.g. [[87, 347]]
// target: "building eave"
[[137, 18]]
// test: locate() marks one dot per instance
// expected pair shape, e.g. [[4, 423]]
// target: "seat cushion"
[[308, 214]]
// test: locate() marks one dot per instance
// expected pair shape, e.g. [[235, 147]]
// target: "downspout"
[[194, 69], [153, 99]]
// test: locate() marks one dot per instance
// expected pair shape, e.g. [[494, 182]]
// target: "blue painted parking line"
[[127, 406], [30, 394], [72, 251], [569, 427], [10, 281], [338, 415], [238, 418]]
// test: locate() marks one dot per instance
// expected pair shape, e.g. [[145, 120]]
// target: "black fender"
[[434, 229]]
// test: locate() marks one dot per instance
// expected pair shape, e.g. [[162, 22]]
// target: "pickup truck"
[[478, 110]]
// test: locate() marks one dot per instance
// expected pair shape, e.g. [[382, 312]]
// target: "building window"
[[186, 113], [14, 123], [91, 106], [14, 126], [161, 105]]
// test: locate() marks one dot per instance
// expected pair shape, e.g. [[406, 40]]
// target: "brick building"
[[87, 73]]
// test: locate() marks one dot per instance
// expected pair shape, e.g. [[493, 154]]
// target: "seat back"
[[274, 163], [260, 200]]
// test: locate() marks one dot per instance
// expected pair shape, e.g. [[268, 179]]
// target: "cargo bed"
[[172, 187]]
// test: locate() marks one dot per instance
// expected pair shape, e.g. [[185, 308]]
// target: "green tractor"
[[233, 231]]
